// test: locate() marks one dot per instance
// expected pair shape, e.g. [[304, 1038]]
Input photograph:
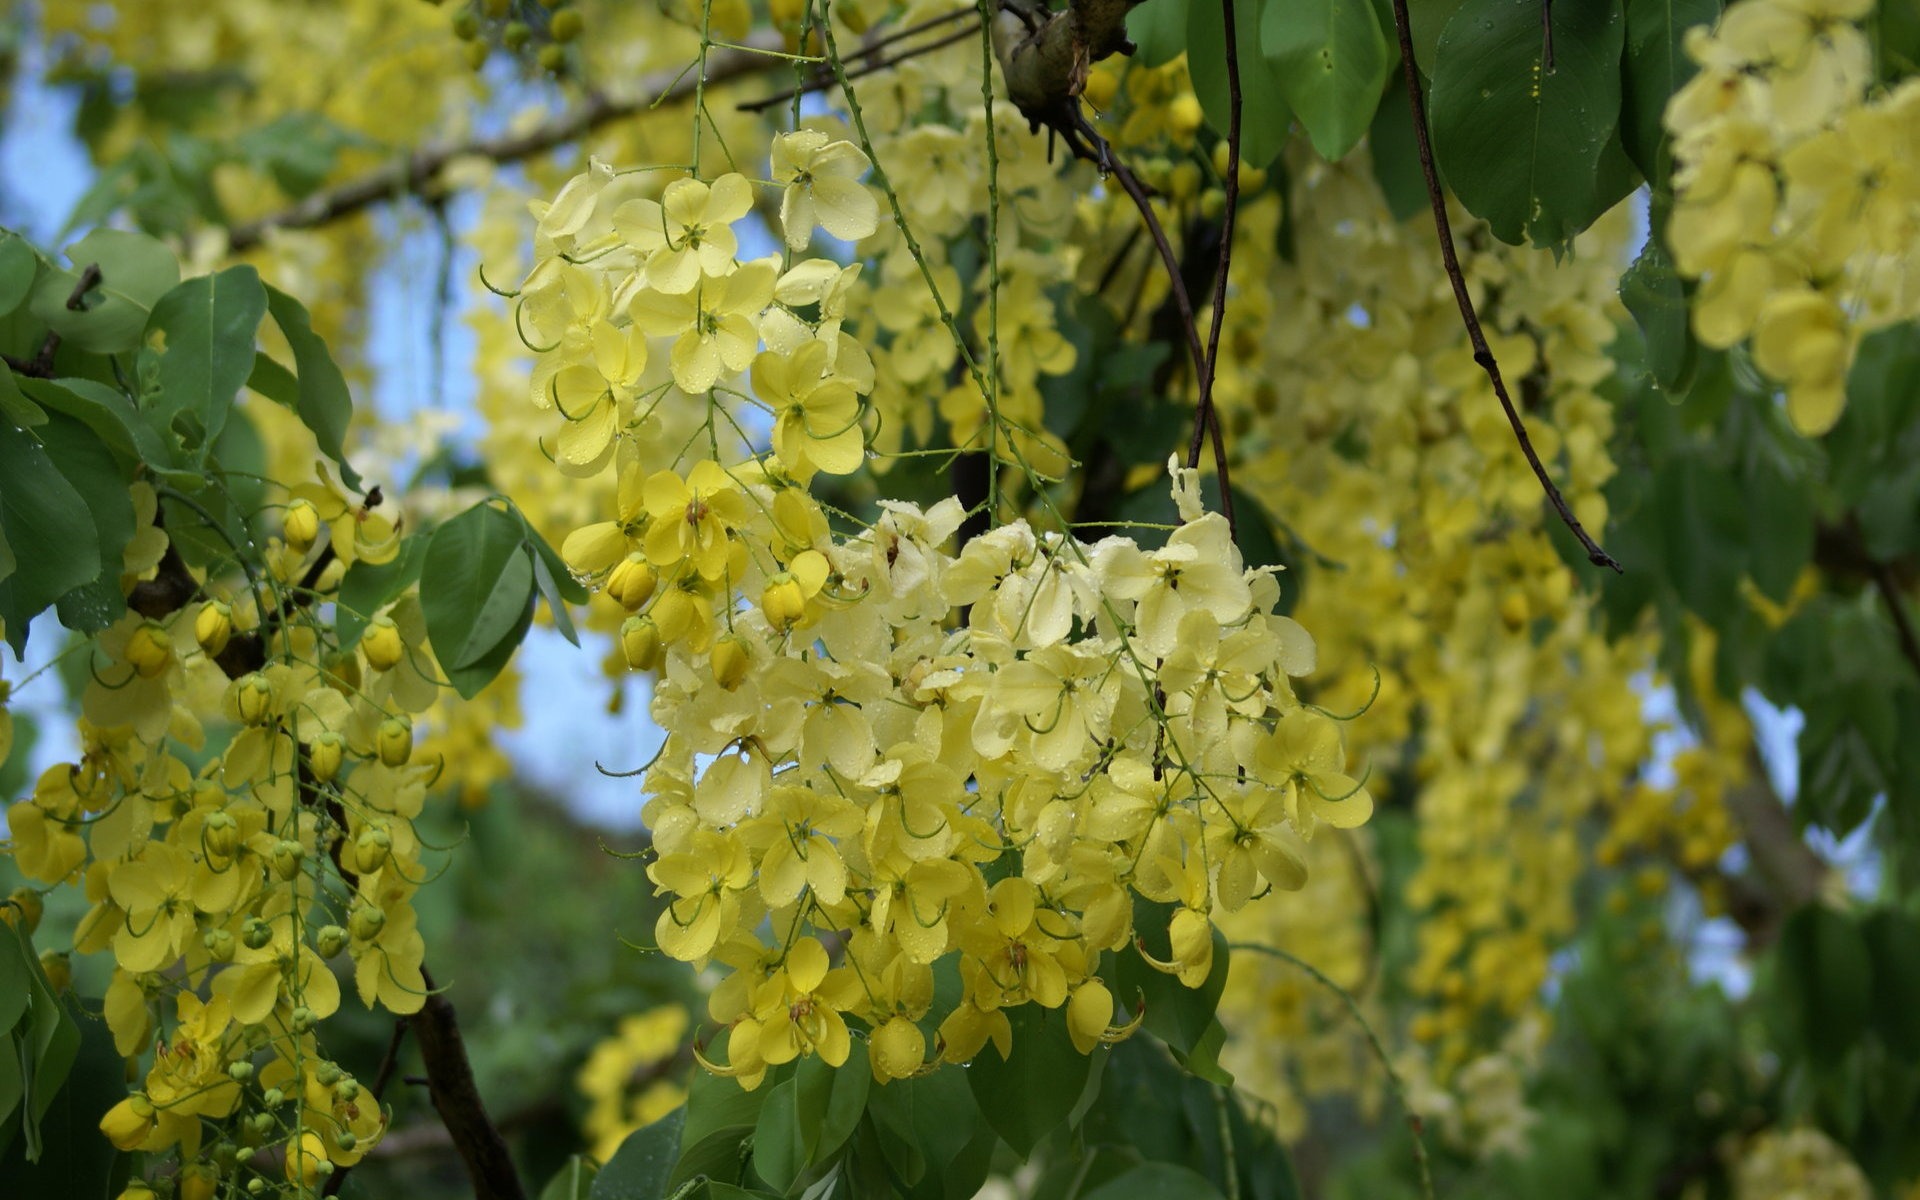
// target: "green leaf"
[[325, 404], [1653, 292], [275, 382], [135, 271], [573, 1181], [1264, 117], [19, 264], [93, 471], [640, 1168], [476, 584], [719, 1155], [209, 324], [780, 1152], [15, 407], [1706, 533], [1780, 514], [1396, 155], [930, 1131], [74, 1159], [1332, 59], [112, 417], [50, 529], [1028, 1095], [367, 587], [1893, 942], [1156, 1181], [1426, 19], [1523, 147], [715, 1102], [1159, 31], [835, 1098], [1825, 977], [16, 970], [1654, 67], [1176, 1014]]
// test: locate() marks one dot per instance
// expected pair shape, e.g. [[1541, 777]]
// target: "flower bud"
[[346, 1140], [324, 756], [286, 859], [273, 1098], [256, 933], [150, 650], [331, 940], [213, 626], [640, 642], [328, 1074], [220, 836], [367, 922], [395, 741], [552, 58], [383, 644], [346, 1091], [303, 1019], [516, 35], [731, 658], [370, 849], [253, 697], [23, 908], [783, 601], [256, 1186], [632, 581], [240, 1071], [302, 525], [58, 969], [219, 944], [565, 26]]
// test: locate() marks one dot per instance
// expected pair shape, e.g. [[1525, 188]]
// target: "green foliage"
[[478, 581], [39, 1042], [1265, 114], [1332, 58], [1534, 153]]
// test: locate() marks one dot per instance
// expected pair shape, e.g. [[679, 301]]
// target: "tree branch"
[[1206, 419], [457, 1099], [418, 171], [1482, 353]]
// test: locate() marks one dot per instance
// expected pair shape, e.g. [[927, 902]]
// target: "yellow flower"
[[822, 187], [688, 233], [816, 413], [693, 520]]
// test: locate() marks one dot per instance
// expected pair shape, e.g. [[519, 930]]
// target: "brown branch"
[[457, 1099], [1482, 353], [418, 171]]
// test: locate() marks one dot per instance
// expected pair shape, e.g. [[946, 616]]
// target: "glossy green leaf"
[[19, 264], [1780, 514], [1159, 30], [1176, 1014], [1264, 116], [15, 408], [930, 1130], [1029, 1094], [1332, 59], [780, 1150], [208, 325], [1654, 293], [73, 1158], [325, 404], [719, 1155], [274, 381], [1524, 148], [96, 474], [49, 528], [715, 1102], [1157, 1181], [368, 587], [574, 1181], [135, 271], [476, 583], [1654, 66], [640, 1168], [834, 1098], [1395, 154], [105, 410]]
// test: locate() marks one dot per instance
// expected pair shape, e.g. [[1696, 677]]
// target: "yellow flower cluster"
[[630, 1080], [1797, 1164], [1796, 193], [876, 742], [237, 832]]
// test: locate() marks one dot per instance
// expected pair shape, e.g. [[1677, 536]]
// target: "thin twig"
[[1482, 354], [415, 173], [1135, 190], [381, 1078], [1206, 421], [1414, 1124], [820, 83], [1889, 589]]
